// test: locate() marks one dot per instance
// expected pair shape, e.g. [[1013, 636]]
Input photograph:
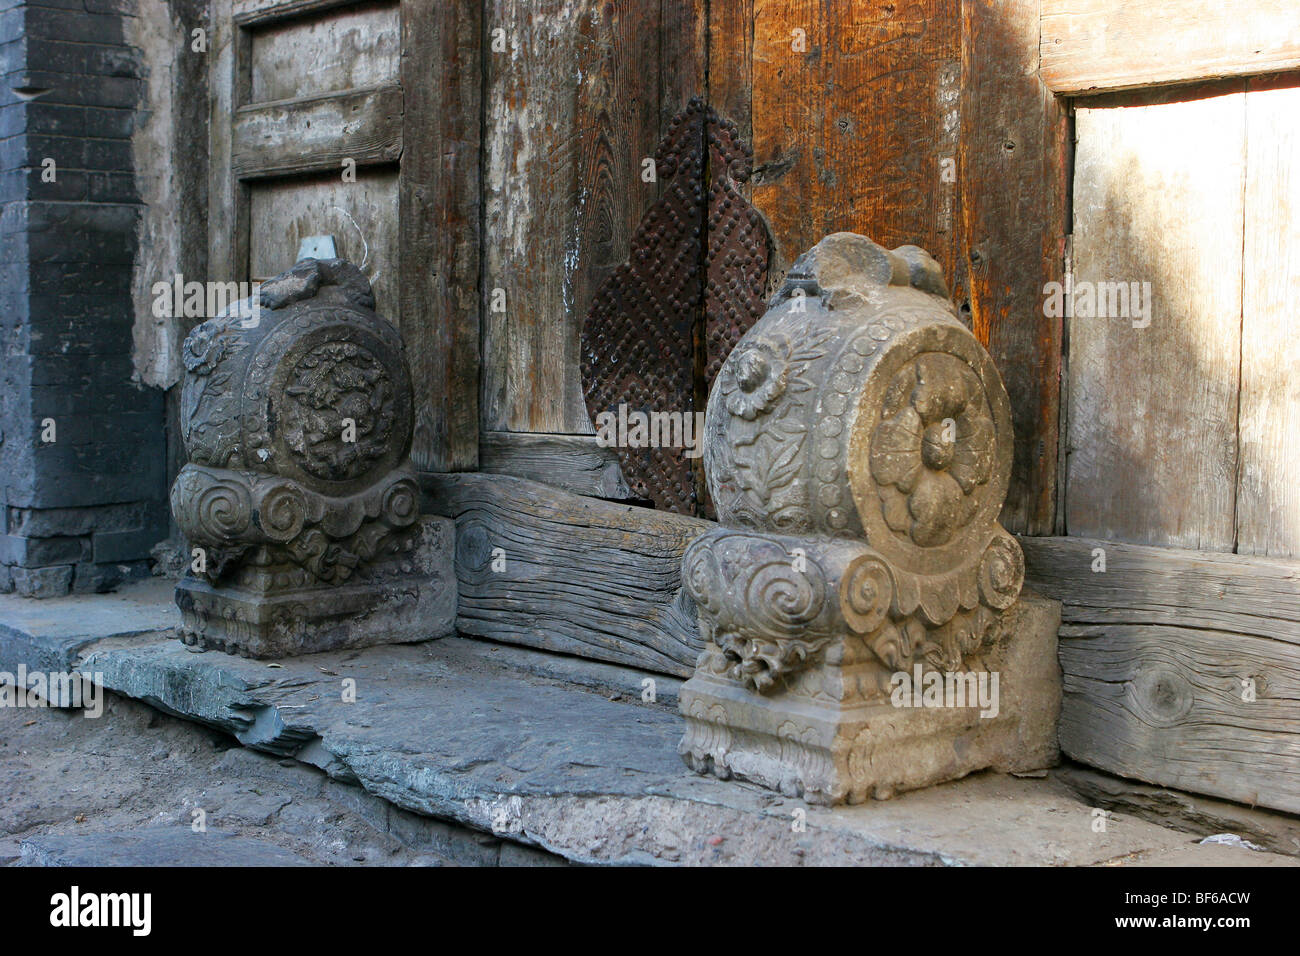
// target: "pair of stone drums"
[[858, 450]]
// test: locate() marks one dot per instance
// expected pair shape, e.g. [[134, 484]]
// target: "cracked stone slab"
[[510, 741]]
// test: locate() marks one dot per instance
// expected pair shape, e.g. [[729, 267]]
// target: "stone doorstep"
[[556, 752]]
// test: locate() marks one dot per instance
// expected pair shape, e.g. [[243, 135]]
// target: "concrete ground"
[[462, 752]]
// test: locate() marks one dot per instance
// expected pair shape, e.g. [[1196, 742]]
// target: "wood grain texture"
[[318, 133], [1152, 446], [1012, 192], [572, 108], [362, 216], [224, 263], [1096, 45], [848, 134], [439, 227], [573, 463], [251, 12], [351, 48], [1164, 586], [1166, 705], [581, 576], [1268, 491], [1154, 650]]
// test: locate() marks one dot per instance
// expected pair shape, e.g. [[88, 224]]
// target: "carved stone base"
[[402, 598], [833, 746]]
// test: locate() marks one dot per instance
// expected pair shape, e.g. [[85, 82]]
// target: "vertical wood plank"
[[731, 66], [573, 106], [1012, 174], [438, 187], [1268, 493], [1152, 450], [221, 184], [848, 133]]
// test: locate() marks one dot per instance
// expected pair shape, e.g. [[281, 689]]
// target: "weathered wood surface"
[[1155, 651], [1165, 705], [1166, 586], [353, 47], [581, 576], [439, 244], [573, 104], [1012, 191], [850, 131], [1152, 444], [895, 122], [1095, 45], [362, 216], [227, 255], [251, 12], [573, 463], [1268, 490], [318, 133]]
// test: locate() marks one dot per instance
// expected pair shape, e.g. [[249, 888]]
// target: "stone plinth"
[[858, 450], [299, 497]]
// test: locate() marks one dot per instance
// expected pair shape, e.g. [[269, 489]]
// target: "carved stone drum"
[[858, 449], [299, 497]]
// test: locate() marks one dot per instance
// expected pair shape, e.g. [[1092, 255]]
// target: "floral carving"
[[335, 383], [755, 379], [933, 449]]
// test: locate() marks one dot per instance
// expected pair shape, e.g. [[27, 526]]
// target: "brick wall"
[[82, 512]]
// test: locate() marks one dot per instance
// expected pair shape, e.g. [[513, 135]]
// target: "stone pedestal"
[[299, 497], [823, 739], [860, 591]]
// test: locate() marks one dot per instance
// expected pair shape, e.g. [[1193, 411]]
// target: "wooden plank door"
[[360, 120], [1181, 642]]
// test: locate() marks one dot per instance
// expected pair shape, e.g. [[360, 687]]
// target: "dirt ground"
[[136, 769]]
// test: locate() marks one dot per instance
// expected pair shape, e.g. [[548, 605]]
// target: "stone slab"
[[155, 846], [462, 731]]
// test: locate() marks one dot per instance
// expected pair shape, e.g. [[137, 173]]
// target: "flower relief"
[[932, 449], [756, 379]]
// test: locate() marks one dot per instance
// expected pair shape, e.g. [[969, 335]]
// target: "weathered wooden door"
[[1181, 492], [359, 120]]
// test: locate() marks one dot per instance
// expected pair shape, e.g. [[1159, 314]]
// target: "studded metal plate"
[[662, 323]]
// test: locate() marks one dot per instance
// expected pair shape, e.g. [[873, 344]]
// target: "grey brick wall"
[[80, 513]]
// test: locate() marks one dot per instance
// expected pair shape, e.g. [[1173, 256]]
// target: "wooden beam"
[[1090, 46], [575, 575], [1167, 586], [317, 133], [571, 110], [1012, 187], [247, 13], [439, 224], [1206, 711], [573, 463], [1180, 668]]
